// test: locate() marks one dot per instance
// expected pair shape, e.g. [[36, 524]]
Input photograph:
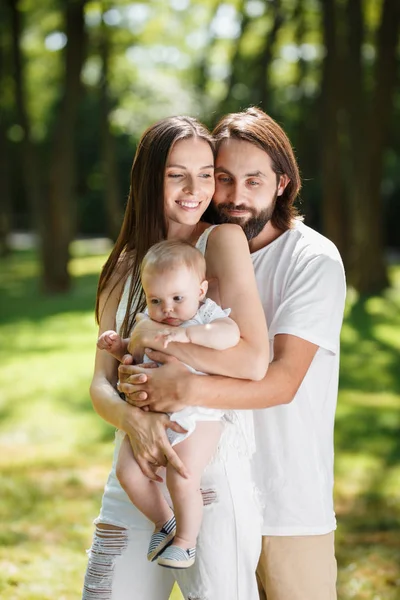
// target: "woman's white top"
[[237, 439]]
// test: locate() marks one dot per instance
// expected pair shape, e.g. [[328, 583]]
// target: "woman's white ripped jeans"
[[228, 545]]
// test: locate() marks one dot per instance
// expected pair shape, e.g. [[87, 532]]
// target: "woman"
[[172, 183]]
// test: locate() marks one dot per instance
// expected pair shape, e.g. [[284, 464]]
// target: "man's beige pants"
[[297, 568]]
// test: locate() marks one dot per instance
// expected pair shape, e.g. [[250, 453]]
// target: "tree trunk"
[[5, 194], [229, 103], [266, 55], [356, 105], [368, 132], [60, 213], [201, 76], [112, 197], [304, 108], [375, 277], [334, 217], [299, 37], [30, 164]]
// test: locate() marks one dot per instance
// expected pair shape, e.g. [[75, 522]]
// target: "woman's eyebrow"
[[185, 168]]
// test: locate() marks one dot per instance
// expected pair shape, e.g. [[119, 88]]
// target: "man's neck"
[[268, 235]]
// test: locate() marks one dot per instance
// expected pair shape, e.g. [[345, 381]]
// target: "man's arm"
[[171, 387]]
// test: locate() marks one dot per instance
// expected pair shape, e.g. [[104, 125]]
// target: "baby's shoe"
[[175, 557], [161, 539]]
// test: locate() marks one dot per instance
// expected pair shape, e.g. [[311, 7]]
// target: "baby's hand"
[[107, 340], [177, 334]]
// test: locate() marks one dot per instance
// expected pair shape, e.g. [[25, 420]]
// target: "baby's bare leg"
[[143, 493], [113, 343], [196, 452]]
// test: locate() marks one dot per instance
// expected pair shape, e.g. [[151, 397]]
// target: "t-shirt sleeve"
[[210, 311], [313, 303]]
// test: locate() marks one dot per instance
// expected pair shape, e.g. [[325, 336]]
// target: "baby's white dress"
[[187, 418]]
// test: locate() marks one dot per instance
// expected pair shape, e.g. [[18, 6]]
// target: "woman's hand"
[[150, 444]]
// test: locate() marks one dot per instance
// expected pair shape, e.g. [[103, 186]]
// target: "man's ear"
[[283, 181], [203, 289]]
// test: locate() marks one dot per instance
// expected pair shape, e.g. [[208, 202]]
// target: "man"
[[302, 286]]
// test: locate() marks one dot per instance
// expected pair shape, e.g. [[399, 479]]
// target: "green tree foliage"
[[326, 69]]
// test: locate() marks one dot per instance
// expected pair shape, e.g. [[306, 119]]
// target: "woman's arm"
[[229, 261], [146, 431]]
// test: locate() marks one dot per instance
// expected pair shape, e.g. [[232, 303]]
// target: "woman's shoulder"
[[226, 235], [227, 246]]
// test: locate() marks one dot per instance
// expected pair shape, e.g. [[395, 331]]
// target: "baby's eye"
[[155, 301], [178, 298]]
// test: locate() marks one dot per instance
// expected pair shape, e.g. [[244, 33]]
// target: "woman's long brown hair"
[[144, 222]]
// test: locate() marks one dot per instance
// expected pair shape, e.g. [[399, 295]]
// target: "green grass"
[[55, 452]]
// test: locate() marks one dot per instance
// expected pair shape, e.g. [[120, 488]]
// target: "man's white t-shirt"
[[301, 282]]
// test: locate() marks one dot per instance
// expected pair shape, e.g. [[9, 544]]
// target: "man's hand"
[[162, 389], [150, 444]]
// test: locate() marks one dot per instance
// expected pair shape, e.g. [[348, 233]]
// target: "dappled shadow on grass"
[[369, 430], [367, 449], [18, 305], [368, 537], [368, 567], [368, 452], [21, 297], [370, 346], [43, 502], [368, 546]]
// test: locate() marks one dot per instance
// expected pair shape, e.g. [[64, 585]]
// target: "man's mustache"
[[228, 206]]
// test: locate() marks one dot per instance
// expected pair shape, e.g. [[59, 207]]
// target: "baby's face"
[[173, 296]]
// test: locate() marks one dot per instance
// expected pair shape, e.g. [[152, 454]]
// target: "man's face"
[[246, 187]]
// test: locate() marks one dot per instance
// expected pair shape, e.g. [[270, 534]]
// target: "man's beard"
[[252, 227]]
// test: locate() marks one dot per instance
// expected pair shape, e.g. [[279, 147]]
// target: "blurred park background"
[[79, 82]]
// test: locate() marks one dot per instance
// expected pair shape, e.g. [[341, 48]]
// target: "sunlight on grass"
[[55, 452]]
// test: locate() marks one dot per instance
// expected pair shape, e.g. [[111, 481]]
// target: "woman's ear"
[[203, 289]]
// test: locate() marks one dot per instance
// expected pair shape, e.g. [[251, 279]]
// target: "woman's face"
[[188, 181]]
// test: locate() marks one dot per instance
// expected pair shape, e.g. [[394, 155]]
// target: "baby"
[[173, 280]]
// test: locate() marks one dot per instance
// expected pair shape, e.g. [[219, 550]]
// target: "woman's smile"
[[189, 204]]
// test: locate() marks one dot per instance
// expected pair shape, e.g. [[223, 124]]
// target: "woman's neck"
[[190, 233]]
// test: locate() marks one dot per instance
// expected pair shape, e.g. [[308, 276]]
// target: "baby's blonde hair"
[[174, 253]]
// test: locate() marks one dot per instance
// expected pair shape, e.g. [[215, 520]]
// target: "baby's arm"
[[113, 343], [220, 334]]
